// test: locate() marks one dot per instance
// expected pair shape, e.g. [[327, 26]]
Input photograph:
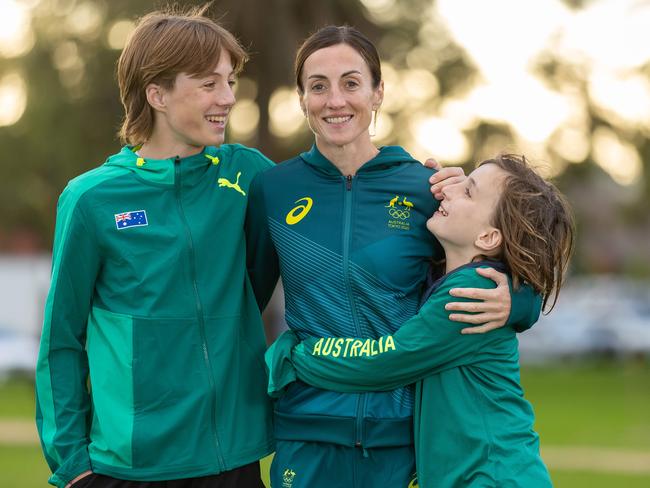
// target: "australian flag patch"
[[135, 218]]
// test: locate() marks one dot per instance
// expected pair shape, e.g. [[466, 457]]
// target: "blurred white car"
[[17, 352], [593, 315]]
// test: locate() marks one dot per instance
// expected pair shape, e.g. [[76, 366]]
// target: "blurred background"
[[566, 82]]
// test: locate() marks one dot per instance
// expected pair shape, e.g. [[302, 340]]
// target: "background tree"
[[443, 98]]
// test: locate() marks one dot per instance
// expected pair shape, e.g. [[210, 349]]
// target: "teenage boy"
[[151, 359]]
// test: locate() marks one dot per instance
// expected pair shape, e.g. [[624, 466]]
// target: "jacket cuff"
[[278, 361], [76, 464]]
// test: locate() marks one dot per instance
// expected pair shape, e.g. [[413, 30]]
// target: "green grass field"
[[596, 405]]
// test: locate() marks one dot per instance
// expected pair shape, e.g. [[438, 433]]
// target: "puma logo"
[[235, 186]]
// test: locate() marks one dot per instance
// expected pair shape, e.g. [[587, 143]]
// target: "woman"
[[472, 425], [347, 221]]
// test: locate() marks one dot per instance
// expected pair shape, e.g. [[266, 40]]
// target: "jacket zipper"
[[199, 310], [361, 399]]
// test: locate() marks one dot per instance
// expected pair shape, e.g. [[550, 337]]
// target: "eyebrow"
[[472, 182], [215, 73], [347, 73]]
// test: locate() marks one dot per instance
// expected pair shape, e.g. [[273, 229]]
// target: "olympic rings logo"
[[299, 212], [397, 213]]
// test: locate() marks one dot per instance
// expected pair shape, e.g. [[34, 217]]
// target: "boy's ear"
[[489, 240], [155, 96]]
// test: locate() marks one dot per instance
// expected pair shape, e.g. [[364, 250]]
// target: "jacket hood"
[[163, 171], [388, 157]]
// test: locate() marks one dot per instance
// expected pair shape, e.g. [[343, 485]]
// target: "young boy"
[[150, 366], [472, 425]]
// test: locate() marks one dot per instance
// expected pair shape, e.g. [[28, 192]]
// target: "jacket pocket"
[[172, 395], [109, 346]]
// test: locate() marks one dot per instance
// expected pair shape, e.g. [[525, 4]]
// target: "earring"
[[375, 114]]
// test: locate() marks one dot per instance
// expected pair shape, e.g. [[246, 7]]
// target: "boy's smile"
[[464, 219], [194, 112]]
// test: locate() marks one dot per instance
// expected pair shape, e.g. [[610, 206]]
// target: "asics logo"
[[297, 213]]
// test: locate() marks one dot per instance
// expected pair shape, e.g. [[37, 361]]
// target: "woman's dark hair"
[[333, 35]]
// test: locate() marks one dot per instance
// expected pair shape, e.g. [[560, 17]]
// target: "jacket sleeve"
[[62, 398], [525, 308], [426, 344], [261, 257]]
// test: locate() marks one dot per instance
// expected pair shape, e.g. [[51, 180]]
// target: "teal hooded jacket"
[[151, 358], [354, 254]]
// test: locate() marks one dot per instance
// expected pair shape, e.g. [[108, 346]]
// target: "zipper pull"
[[348, 179], [363, 448], [177, 172]]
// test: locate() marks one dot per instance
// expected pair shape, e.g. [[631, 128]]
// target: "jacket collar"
[[388, 157], [188, 171]]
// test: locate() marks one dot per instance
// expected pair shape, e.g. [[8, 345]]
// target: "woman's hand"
[[443, 176], [492, 312]]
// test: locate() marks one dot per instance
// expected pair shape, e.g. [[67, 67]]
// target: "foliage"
[[73, 109]]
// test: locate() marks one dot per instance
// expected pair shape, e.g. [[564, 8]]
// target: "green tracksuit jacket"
[[354, 254], [473, 427], [151, 357]]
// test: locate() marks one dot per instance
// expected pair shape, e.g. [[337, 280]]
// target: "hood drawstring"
[[214, 159]]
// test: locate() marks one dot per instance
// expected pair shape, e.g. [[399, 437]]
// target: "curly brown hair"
[[537, 227]]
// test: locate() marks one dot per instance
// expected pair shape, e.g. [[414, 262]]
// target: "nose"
[[335, 98], [226, 96]]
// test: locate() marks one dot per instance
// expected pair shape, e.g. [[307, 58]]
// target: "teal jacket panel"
[[151, 307], [353, 255], [472, 425]]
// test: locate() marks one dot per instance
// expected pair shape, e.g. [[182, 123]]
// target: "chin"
[[213, 141], [437, 224], [431, 224], [339, 139]]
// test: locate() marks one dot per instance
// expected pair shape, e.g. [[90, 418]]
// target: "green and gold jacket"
[[354, 254], [151, 357]]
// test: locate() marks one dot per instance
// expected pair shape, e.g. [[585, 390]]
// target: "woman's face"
[[338, 97], [464, 218]]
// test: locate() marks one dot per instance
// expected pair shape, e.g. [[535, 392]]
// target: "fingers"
[[438, 187], [78, 478], [474, 293], [492, 308], [481, 329], [444, 177], [478, 319], [496, 276], [433, 164], [474, 307], [445, 173]]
